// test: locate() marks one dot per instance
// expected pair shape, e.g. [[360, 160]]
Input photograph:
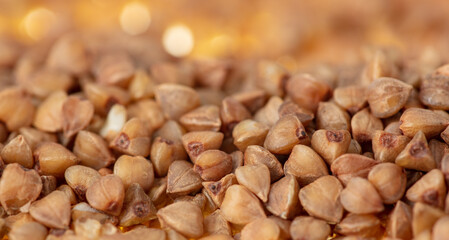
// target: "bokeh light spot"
[[135, 18], [38, 23], [178, 40]]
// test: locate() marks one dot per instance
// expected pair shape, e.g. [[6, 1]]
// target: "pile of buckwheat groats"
[[97, 144]]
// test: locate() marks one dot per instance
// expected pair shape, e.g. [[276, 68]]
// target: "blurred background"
[[292, 32]]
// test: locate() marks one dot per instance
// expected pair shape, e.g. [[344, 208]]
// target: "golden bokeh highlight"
[[38, 23], [221, 44], [178, 40], [135, 18]]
